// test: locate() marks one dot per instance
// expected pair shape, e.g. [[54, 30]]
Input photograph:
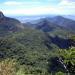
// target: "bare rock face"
[[1, 15]]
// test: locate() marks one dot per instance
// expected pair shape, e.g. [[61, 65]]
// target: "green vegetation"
[[29, 51], [46, 51], [32, 56]]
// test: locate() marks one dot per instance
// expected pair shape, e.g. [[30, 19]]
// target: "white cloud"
[[11, 3], [30, 11], [36, 11], [67, 3], [64, 7]]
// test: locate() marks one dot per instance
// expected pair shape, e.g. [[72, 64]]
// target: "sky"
[[37, 7]]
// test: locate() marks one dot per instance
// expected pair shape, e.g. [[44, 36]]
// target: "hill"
[[32, 49], [9, 25], [58, 21], [64, 22], [35, 49]]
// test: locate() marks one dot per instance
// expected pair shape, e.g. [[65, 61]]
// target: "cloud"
[[31, 11], [37, 11], [71, 0], [67, 2], [28, 8], [11, 3]]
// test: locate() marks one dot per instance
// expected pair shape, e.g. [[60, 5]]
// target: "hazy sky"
[[37, 7]]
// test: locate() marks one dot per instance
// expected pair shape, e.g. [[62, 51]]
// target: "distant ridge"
[[64, 22]]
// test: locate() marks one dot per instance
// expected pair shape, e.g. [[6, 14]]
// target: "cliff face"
[[1, 15]]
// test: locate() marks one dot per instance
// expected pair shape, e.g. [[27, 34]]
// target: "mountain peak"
[[59, 17], [1, 15]]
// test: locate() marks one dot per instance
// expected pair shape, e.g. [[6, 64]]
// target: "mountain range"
[[57, 21], [64, 22], [37, 47]]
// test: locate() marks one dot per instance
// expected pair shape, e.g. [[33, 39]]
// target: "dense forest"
[[44, 49]]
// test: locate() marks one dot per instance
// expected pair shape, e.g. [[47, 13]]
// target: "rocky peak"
[[1, 15]]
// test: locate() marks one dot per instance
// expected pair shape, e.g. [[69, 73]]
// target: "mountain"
[[70, 17], [32, 49], [8, 25], [57, 21], [64, 22], [47, 26], [55, 35]]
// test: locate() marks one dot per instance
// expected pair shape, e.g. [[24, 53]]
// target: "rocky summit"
[[1, 15]]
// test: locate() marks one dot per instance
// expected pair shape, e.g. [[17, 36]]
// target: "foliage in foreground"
[[32, 55], [7, 67]]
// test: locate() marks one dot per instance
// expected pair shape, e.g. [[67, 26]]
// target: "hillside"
[[32, 50], [38, 49], [9, 25], [47, 26], [57, 22], [64, 22], [28, 48]]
